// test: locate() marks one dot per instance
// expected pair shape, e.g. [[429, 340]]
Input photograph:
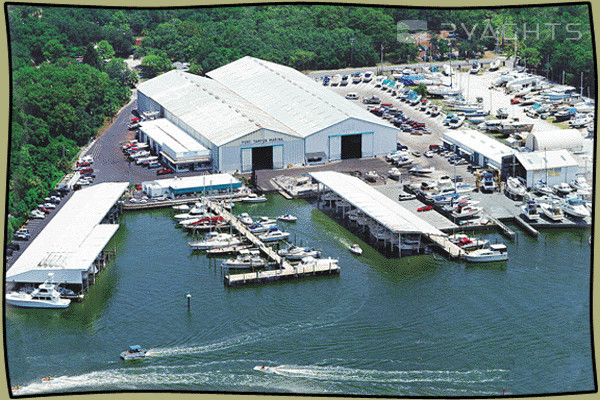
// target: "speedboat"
[[496, 252], [181, 207], [215, 240], [575, 207], [488, 184], [287, 218], [355, 249], [530, 210], [258, 227], [266, 221], [295, 253], [44, 296], [311, 263], [274, 235], [134, 352], [254, 198], [394, 173], [245, 219], [245, 260], [563, 188], [514, 187], [552, 210]]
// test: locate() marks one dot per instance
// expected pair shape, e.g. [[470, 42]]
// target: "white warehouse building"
[[254, 114], [552, 167]]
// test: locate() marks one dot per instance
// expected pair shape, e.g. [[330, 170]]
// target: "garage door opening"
[[351, 146], [262, 158]]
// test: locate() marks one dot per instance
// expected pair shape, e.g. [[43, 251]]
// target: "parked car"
[[425, 208], [138, 186], [352, 96], [372, 100], [37, 214], [49, 205], [164, 171], [416, 153], [434, 147], [428, 154], [154, 164]]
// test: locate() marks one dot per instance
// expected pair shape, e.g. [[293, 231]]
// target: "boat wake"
[[343, 374]]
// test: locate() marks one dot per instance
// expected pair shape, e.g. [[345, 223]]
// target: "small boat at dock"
[[247, 259], [496, 252], [530, 210], [552, 210], [274, 235], [295, 253], [214, 240], [254, 198]]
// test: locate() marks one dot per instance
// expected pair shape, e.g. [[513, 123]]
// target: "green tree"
[[53, 50], [153, 65], [105, 50], [91, 57]]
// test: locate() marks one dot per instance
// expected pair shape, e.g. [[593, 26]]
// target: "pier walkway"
[[285, 270]]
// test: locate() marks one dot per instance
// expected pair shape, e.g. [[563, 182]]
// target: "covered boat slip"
[[383, 218], [72, 241]]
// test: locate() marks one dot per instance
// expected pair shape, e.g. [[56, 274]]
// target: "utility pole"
[[563, 79], [351, 49], [581, 87], [381, 58]]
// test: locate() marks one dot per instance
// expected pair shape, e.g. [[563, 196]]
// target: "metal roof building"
[[178, 149], [191, 184], [482, 149], [72, 240], [555, 139], [552, 167], [255, 114]]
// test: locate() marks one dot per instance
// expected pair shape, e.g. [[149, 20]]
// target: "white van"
[[352, 96]]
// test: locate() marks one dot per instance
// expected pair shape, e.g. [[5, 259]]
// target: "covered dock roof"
[[72, 240], [376, 205]]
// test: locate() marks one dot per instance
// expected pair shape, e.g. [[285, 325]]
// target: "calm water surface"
[[388, 327]]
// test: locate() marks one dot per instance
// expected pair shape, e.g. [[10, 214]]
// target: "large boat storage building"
[[70, 245], [254, 114]]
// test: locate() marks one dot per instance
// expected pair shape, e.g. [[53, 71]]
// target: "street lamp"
[[351, 49]]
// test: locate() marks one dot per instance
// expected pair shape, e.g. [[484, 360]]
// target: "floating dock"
[[285, 270]]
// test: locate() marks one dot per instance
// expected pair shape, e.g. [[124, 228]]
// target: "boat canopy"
[[135, 347]]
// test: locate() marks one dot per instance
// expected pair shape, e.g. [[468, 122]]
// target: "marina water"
[[390, 327]]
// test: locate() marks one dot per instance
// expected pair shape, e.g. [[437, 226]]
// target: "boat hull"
[[24, 303]]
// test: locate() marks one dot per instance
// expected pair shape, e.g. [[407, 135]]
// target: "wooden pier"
[[453, 250], [285, 270]]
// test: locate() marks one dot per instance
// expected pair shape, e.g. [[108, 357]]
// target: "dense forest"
[[69, 76]]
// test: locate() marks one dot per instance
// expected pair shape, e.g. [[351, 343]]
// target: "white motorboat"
[[308, 263], [247, 259], [295, 253], [287, 218], [552, 210], [456, 122], [488, 184], [563, 188], [214, 240], [466, 211], [134, 352], [394, 173], [181, 207], [575, 207], [542, 188], [514, 187], [494, 65], [581, 121], [371, 176], [530, 210], [259, 228], [496, 252], [475, 67], [355, 249], [266, 220], [44, 296], [274, 235], [254, 198], [417, 170], [245, 219], [580, 183]]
